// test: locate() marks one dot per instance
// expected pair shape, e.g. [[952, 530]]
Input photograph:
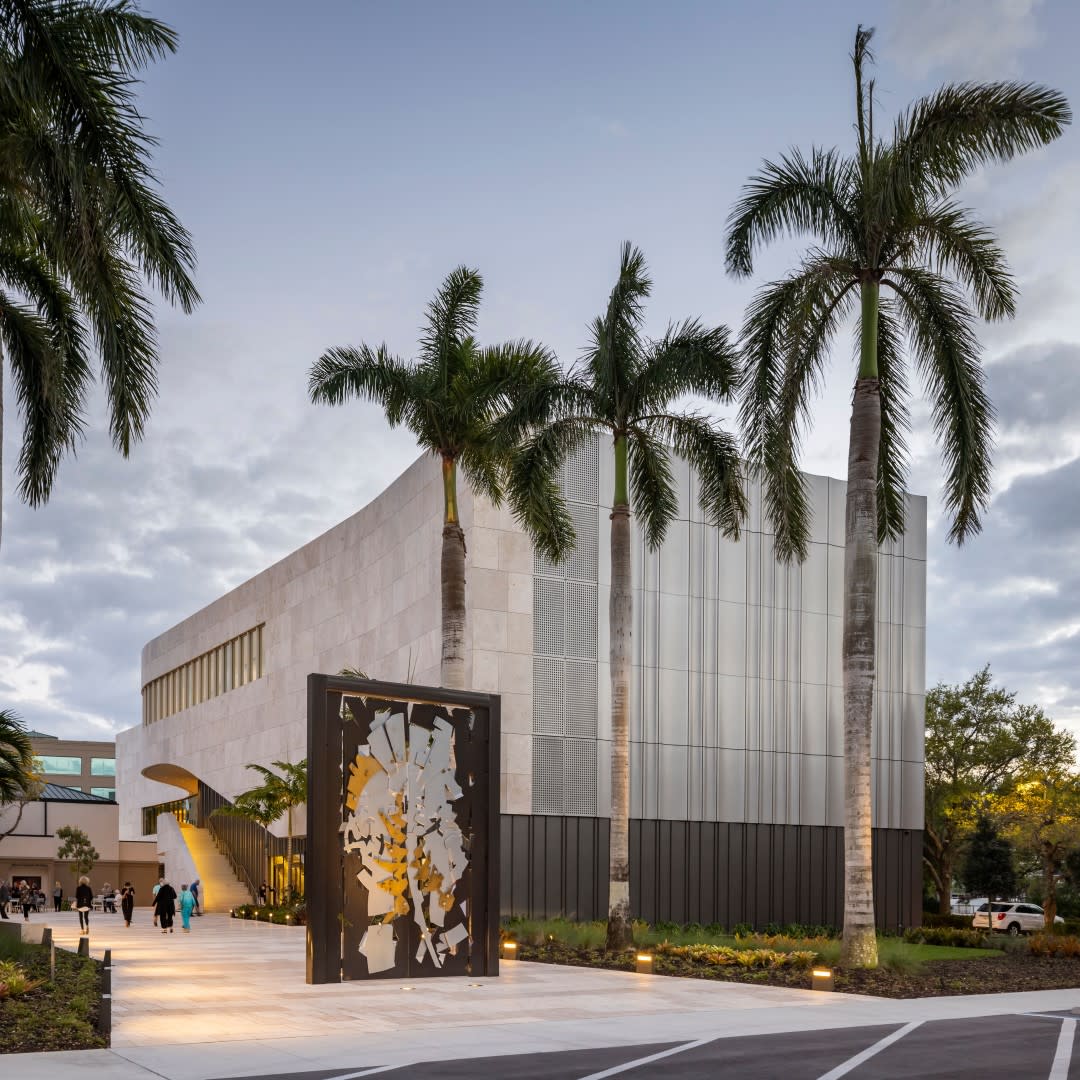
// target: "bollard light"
[[509, 950], [644, 963], [822, 979]]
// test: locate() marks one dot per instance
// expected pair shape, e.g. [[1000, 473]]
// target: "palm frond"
[[16, 758], [943, 137], [652, 484], [947, 238], [895, 423], [688, 359], [791, 197], [615, 353], [942, 335], [362, 372], [532, 488], [713, 454], [451, 314]]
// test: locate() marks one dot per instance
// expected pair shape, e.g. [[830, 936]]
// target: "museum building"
[[737, 713]]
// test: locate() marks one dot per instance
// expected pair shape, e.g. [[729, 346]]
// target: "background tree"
[[76, 846], [449, 399], [978, 740], [885, 218], [82, 225], [1041, 816], [624, 388], [988, 865]]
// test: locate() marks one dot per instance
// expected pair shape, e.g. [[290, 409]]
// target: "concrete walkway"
[[229, 999]]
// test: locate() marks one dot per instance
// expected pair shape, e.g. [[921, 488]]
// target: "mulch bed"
[[60, 1015], [934, 978]]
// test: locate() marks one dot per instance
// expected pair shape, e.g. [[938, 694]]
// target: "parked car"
[[1012, 918]]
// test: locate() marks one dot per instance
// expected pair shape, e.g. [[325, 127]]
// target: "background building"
[[81, 764], [736, 756]]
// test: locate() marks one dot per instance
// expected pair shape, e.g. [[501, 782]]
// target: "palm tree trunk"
[[860, 614], [453, 584], [620, 622]]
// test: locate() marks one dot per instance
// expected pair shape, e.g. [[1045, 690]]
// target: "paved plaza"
[[229, 1000]]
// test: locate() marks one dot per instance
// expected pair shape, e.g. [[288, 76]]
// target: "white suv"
[[1013, 918]]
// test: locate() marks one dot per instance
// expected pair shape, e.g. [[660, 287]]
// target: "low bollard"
[[106, 973], [104, 1024], [84, 946], [46, 936]]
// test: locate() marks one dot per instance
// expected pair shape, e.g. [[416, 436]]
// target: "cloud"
[[974, 39]]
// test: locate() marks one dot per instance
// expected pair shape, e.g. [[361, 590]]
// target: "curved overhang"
[[175, 775]]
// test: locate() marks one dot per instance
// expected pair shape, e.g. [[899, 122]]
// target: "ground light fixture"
[[509, 950], [643, 963], [822, 979]]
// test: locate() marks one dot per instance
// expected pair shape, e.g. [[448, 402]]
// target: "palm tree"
[[280, 793], [81, 224], [17, 776], [449, 399], [624, 386], [884, 218]]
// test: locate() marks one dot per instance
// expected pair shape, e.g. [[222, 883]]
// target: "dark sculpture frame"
[[330, 747]]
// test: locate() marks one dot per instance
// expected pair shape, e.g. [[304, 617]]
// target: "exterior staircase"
[[219, 887]]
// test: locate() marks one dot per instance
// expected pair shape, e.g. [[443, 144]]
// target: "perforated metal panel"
[[564, 664], [549, 617], [549, 697], [580, 768], [581, 716], [548, 775], [581, 629]]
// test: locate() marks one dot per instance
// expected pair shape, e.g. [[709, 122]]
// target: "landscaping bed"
[[908, 968], [281, 915], [36, 1014]]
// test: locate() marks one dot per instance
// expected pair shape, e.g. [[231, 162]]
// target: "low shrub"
[[748, 959], [1054, 945], [14, 982], [290, 915], [935, 920], [967, 938]]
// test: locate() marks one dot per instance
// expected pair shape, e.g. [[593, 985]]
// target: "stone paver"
[[229, 999]]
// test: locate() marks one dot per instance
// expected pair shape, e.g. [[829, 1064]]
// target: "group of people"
[[25, 896], [166, 901]]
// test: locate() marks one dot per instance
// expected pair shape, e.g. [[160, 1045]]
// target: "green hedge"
[[294, 915], [956, 922]]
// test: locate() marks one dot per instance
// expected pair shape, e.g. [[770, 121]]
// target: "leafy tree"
[[76, 847], [82, 225], [988, 866], [279, 794], [624, 387], [17, 775], [449, 399], [1041, 816], [885, 218], [978, 740]]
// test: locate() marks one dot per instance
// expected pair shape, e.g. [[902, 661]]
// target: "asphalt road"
[[1029, 1046]]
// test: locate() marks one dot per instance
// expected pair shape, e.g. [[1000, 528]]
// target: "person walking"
[[187, 905], [127, 901], [5, 899], [57, 896], [26, 899], [195, 893], [160, 882], [84, 901], [165, 906]]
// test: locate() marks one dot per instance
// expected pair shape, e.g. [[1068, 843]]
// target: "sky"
[[333, 161]]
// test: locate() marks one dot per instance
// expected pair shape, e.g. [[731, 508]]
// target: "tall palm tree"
[[624, 387], [885, 218], [17, 776], [82, 225], [449, 399]]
